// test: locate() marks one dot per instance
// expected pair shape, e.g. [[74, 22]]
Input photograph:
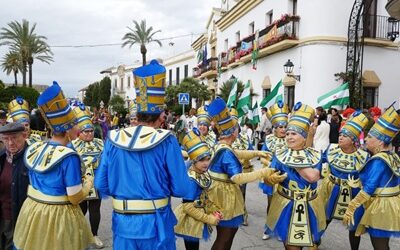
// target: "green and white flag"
[[244, 103], [254, 115], [275, 95], [232, 94], [337, 97]]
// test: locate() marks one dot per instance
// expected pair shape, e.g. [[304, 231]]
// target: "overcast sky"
[[89, 22]]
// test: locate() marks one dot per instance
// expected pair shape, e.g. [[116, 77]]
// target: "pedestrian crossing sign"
[[183, 98]]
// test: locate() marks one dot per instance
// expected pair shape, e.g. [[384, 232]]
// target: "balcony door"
[[370, 19]]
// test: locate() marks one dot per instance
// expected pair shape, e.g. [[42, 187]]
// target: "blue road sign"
[[183, 98]]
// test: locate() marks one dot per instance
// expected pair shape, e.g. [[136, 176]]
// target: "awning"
[[288, 81], [370, 79], [266, 83]]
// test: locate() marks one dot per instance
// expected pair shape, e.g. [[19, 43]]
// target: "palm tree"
[[22, 39], [12, 63], [140, 35], [40, 50]]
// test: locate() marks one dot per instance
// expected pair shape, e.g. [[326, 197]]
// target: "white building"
[[312, 34], [179, 67]]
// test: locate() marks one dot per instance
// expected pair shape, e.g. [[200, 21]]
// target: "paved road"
[[250, 237]]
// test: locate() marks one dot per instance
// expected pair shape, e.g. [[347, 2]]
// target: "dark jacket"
[[20, 181]]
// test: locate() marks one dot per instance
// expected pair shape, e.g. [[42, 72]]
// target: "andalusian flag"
[[232, 94], [275, 95], [244, 103], [337, 97], [255, 114]]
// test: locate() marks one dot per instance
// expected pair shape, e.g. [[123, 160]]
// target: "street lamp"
[[127, 101], [393, 28], [288, 69], [215, 82]]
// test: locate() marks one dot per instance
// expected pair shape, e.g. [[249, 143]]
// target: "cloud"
[[85, 22]]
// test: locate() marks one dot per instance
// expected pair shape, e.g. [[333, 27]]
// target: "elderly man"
[[14, 180]]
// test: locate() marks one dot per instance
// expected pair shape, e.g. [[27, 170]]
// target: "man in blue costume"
[[141, 168]]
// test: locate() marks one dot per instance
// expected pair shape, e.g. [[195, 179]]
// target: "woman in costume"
[[296, 214], [133, 113], [341, 182], [203, 123], [50, 217], [90, 150], [278, 115], [380, 178], [197, 213], [227, 176], [19, 112]]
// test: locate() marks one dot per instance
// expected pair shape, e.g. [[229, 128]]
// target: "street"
[[249, 237]]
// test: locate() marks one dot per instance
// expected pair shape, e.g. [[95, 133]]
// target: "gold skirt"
[[43, 226], [228, 197], [278, 204], [187, 225], [381, 213], [325, 190]]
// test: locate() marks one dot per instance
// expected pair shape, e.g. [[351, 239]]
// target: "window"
[[266, 92], [251, 28], [115, 83], [129, 81], [170, 76], [122, 83], [238, 36], [177, 75], [289, 96], [370, 97], [186, 70], [269, 18], [226, 45]]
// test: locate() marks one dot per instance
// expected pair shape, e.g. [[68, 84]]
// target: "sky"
[[93, 22]]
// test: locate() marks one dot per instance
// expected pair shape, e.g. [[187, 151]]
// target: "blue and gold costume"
[[141, 168], [341, 182], [278, 115], [19, 112], [225, 164], [195, 213], [296, 214], [47, 219], [204, 119], [380, 178]]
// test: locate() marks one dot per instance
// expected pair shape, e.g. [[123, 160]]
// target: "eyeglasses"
[[86, 132]]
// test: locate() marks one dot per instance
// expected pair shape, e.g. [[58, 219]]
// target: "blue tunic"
[[331, 203], [281, 229], [55, 181], [143, 175], [377, 174]]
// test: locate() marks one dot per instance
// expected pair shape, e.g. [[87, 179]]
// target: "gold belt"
[[138, 206], [387, 191], [297, 194], [38, 196], [220, 177], [337, 181]]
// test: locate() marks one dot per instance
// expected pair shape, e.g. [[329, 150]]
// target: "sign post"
[[183, 99]]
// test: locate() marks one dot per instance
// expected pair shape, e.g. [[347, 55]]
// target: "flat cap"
[[13, 127]]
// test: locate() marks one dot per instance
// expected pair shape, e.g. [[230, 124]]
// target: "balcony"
[[280, 35], [207, 69], [381, 28]]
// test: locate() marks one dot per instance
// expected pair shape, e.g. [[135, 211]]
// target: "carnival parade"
[[153, 156]]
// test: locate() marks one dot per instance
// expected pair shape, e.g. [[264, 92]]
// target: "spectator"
[[115, 121], [321, 137], [265, 125], [334, 128], [14, 180]]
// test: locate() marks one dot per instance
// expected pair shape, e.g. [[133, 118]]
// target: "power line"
[[117, 44]]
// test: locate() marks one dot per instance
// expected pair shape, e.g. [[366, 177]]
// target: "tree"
[[11, 63], [188, 85], [23, 40], [118, 104], [105, 90], [140, 35], [29, 94]]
